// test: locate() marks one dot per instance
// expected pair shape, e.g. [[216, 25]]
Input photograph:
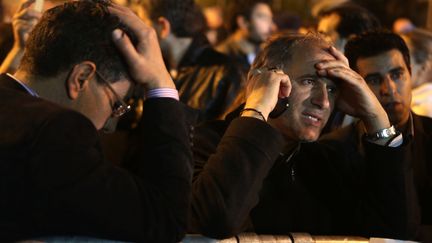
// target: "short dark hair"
[[74, 32], [185, 17], [354, 19], [240, 8], [278, 50], [373, 43]]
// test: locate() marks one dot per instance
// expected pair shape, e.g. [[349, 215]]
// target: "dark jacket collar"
[[8, 82]]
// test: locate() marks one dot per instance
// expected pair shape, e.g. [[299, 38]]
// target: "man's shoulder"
[[422, 123], [22, 111]]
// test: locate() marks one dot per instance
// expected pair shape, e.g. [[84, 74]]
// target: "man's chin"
[[398, 119], [309, 137]]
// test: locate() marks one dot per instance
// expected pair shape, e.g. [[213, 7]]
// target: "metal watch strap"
[[383, 133]]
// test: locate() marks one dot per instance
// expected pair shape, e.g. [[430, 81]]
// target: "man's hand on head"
[[144, 59], [356, 99], [264, 87]]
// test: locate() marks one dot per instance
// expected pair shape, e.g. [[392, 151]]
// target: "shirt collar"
[[410, 128], [27, 88]]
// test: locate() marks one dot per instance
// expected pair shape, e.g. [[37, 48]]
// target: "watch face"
[[384, 133]]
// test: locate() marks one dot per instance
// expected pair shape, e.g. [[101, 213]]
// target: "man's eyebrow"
[[312, 76], [373, 75], [396, 69]]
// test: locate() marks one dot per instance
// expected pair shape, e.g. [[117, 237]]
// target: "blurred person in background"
[[206, 79], [343, 21], [287, 22], [250, 23], [419, 42], [216, 31], [12, 40]]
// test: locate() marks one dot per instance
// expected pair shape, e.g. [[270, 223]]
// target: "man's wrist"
[[383, 136], [251, 112], [375, 123], [384, 133]]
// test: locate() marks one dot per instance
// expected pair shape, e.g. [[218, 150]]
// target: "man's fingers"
[[23, 25], [330, 64], [285, 87], [124, 44], [120, 7], [28, 14], [345, 75], [25, 4], [338, 55], [129, 19]]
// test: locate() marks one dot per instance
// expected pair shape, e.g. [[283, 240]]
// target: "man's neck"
[[404, 126], [48, 88]]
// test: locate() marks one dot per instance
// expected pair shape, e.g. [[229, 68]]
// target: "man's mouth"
[[392, 105], [312, 118]]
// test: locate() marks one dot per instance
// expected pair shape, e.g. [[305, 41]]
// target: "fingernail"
[[117, 34]]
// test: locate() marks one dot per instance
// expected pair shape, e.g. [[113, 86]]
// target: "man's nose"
[[388, 87], [320, 97]]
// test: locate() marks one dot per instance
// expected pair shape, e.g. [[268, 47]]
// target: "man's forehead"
[[311, 54], [381, 63]]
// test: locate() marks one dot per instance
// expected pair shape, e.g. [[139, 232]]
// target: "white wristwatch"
[[383, 133]]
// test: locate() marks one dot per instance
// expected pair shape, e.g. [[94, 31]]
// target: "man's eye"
[[373, 81], [331, 90], [308, 82], [396, 75]]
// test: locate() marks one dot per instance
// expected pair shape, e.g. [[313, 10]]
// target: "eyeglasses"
[[119, 108]]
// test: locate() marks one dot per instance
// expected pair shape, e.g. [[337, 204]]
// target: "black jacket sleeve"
[[75, 192], [230, 166]]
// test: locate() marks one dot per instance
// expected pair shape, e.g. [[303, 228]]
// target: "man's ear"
[[79, 77], [242, 22], [164, 27]]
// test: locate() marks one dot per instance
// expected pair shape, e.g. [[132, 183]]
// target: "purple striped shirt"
[[163, 93]]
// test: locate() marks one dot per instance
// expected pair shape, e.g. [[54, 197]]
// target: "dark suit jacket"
[[418, 170], [231, 161], [54, 179], [316, 191]]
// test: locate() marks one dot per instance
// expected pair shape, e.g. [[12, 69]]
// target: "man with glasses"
[[78, 65], [79, 62]]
